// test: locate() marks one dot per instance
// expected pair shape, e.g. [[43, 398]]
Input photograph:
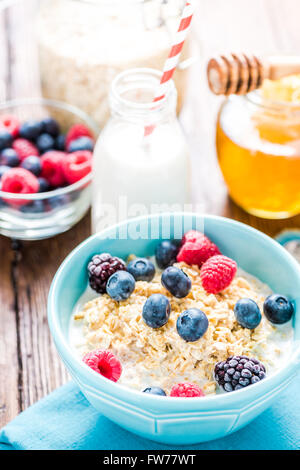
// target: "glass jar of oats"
[[258, 147], [84, 44]]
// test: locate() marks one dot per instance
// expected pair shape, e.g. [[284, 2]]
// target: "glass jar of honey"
[[258, 148]]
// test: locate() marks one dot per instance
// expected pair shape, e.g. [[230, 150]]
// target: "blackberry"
[[100, 268], [238, 372]]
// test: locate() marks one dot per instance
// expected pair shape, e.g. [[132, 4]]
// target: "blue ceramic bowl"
[[164, 419]]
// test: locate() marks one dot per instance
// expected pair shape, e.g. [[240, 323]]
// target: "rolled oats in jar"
[[84, 44]]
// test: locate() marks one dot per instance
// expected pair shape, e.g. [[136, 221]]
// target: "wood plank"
[[25, 79], [10, 358], [4, 74], [42, 370]]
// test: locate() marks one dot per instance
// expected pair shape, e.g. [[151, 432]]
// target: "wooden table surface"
[[29, 365]]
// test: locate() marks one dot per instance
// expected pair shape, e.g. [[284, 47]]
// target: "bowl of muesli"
[[181, 328]]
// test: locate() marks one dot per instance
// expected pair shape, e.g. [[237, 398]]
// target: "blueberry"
[[142, 269], [156, 310], [9, 157], [166, 253], [278, 309], [32, 164], [155, 391], [192, 324], [120, 285], [45, 142], [30, 130], [176, 282], [3, 169], [60, 143], [247, 313], [56, 202], [36, 207], [50, 126], [74, 195], [2, 202], [82, 143], [44, 185], [6, 139]]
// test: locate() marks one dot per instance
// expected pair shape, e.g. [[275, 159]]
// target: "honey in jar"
[[258, 147]]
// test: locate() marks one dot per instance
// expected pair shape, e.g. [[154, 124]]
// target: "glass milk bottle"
[[141, 159]]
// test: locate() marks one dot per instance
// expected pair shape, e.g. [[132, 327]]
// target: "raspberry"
[[52, 167], [11, 124], [238, 372], [78, 130], [100, 268], [196, 248], [104, 363], [77, 165], [191, 236], [24, 148], [186, 390], [217, 273], [19, 181]]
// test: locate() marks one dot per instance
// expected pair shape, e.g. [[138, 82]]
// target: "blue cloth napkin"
[[64, 420]]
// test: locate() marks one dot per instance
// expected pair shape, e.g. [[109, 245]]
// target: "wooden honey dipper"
[[241, 73]]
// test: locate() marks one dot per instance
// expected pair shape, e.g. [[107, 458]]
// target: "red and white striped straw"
[[174, 55]]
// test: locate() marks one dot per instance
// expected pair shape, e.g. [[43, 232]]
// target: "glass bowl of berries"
[[45, 167]]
